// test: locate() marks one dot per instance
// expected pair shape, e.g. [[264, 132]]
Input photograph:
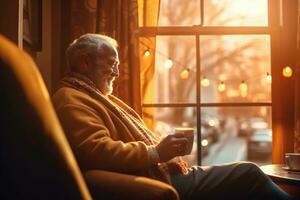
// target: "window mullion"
[[198, 96]]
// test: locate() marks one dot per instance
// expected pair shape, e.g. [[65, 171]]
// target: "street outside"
[[229, 148]]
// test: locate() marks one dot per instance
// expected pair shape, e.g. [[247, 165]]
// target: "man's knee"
[[250, 169]]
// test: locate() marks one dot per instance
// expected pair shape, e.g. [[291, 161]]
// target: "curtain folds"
[[115, 18], [119, 19], [148, 16]]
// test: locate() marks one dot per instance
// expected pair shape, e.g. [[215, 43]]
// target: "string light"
[[212, 122], [243, 89], [168, 64], [147, 53], [204, 142], [185, 73], [244, 94], [268, 78], [205, 82], [243, 86], [221, 87], [287, 72]]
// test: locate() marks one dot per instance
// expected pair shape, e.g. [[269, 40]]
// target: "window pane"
[[179, 13], [236, 13], [174, 75], [236, 133], [163, 121], [228, 61]]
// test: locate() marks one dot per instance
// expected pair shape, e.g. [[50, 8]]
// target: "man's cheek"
[[107, 72]]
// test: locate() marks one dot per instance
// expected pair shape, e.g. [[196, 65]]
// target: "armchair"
[[36, 159]]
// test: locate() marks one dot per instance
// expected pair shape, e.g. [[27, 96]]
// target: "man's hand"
[[172, 146]]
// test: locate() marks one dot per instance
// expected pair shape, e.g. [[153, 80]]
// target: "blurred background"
[[215, 82]]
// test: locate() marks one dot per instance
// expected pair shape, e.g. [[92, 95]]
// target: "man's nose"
[[115, 72]]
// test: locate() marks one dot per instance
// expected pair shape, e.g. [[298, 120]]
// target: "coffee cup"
[[189, 135], [292, 161]]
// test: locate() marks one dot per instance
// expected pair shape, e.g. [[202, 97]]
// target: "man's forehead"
[[109, 50]]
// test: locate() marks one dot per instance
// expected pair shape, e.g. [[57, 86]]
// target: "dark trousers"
[[241, 180]]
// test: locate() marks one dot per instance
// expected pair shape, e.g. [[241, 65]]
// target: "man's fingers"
[[179, 135], [179, 145], [179, 141]]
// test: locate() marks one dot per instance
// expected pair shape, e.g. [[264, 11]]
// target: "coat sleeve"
[[93, 146]]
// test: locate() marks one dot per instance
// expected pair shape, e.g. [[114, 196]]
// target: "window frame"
[[272, 30]]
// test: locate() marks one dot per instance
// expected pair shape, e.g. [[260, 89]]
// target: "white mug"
[[189, 135], [292, 161]]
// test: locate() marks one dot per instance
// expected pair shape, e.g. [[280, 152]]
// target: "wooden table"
[[288, 181]]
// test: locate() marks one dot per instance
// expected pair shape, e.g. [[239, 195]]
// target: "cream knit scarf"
[[124, 112]]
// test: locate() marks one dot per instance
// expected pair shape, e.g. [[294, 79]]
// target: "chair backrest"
[[36, 161]]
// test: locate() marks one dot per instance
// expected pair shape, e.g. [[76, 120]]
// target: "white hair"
[[90, 44]]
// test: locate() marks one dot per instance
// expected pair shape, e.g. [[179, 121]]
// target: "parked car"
[[244, 128], [248, 126], [260, 144]]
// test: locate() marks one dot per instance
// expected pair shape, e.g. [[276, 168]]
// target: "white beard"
[[108, 88]]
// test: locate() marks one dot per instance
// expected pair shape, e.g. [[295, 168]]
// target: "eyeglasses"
[[108, 63], [113, 63]]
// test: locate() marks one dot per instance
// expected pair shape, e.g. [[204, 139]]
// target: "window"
[[211, 70]]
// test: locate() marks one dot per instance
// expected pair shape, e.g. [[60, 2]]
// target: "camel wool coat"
[[99, 138]]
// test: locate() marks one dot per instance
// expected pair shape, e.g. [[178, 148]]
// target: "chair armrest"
[[122, 186]]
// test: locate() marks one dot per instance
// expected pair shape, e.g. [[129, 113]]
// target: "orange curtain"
[[148, 16], [115, 18], [119, 19], [77, 18]]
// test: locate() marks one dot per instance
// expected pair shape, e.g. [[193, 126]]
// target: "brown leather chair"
[[35, 158]]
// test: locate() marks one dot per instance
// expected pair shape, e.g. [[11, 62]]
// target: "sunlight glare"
[[240, 13]]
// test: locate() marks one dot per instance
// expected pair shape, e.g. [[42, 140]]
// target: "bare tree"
[[214, 58]]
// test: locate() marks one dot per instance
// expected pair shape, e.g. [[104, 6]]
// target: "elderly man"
[[107, 134]]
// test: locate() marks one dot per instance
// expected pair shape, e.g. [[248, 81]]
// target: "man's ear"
[[85, 63]]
